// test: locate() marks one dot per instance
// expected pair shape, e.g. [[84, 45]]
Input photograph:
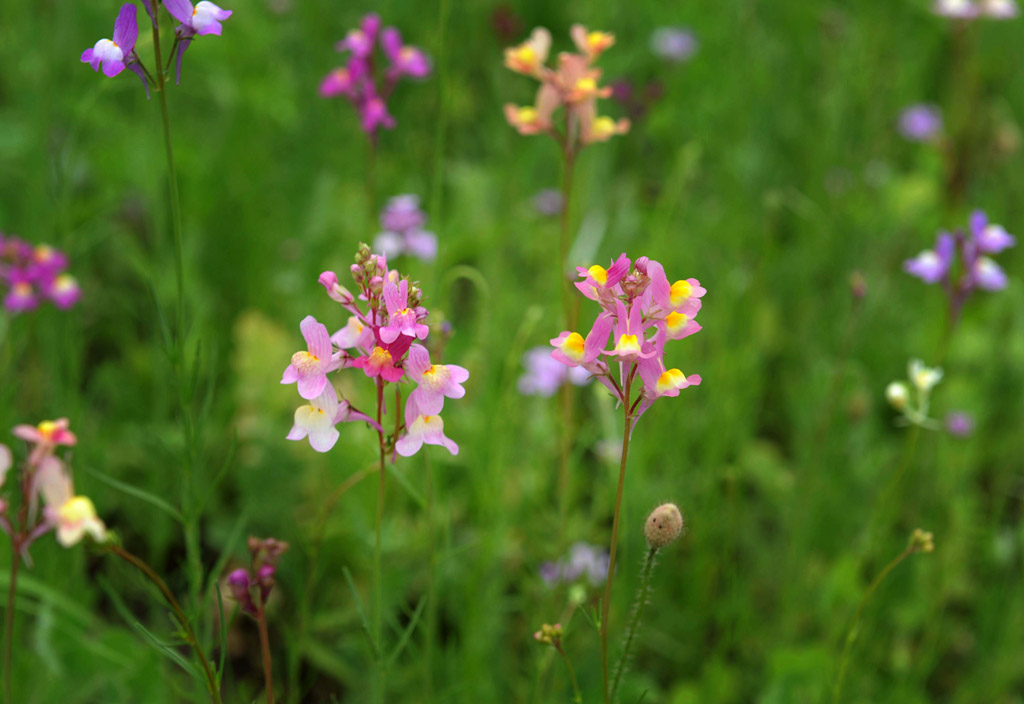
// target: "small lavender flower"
[[955, 9], [403, 221], [114, 54], [959, 424], [675, 44], [544, 375], [931, 265], [583, 561], [920, 123], [203, 19], [549, 202]]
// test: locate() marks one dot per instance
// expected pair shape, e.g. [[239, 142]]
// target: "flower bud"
[[921, 541], [238, 583], [664, 525], [897, 394], [549, 635]]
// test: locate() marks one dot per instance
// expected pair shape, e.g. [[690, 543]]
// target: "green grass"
[[769, 169]]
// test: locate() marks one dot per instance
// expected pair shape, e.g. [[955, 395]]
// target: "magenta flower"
[[34, 274], [21, 297], [405, 60], [380, 362], [310, 368], [48, 434], [361, 85], [435, 381], [115, 54], [422, 429], [402, 320], [641, 312], [64, 291]]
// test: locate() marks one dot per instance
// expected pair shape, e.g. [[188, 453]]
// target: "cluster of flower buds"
[[118, 53], [258, 580], [921, 541], [972, 9], [960, 261], [359, 82], [31, 275], [912, 400], [641, 312], [43, 475], [403, 221], [380, 338], [549, 635], [573, 85]]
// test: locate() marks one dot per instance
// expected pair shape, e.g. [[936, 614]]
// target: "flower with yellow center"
[[76, 518]]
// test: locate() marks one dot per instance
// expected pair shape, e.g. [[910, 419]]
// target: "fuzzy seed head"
[[664, 525]]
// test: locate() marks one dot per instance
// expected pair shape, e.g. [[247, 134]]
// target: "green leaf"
[[407, 634], [137, 493], [362, 614]]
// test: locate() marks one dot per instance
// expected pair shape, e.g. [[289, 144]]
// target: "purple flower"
[[583, 561], [403, 219], [114, 54], [64, 291], [203, 19], [34, 274], [544, 374], [955, 9], [360, 41], [403, 213], [21, 297], [987, 275], [959, 424], [932, 265], [549, 202], [920, 123], [989, 238], [674, 43]]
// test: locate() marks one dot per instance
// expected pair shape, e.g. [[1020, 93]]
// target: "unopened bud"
[[238, 583], [897, 394], [549, 635], [664, 525], [362, 253]]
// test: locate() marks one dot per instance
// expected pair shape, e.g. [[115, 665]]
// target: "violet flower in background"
[[32, 275], [549, 202], [959, 424], [959, 263], [920, 123], [544, 375], [583, 561], [357, 81], [403, 221], [675, 44], [971, 9]]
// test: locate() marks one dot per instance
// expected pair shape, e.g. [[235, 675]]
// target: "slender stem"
[[851, 633], [566, 392], [431, 625], [576, 696], [9, 617], [190, 636], [606, 600], [261, 620], [634, 624], [378, 612], [371, 177], [568, 164], [191, 527]]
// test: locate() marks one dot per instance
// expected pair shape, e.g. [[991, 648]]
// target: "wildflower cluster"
[[380, 338], [259, 578], [31, 275], [403, 221], [960, 261], [641, 312], [118, 53], [912, 399], [573, 85], [44, 475], [360, 83], [972, 9]]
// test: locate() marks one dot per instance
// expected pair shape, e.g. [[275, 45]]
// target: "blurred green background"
[[769, 167]]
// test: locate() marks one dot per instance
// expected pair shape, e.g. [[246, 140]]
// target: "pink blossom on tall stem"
[[309, 368], [434, 381]]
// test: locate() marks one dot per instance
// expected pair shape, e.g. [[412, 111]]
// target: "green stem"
[[576, 696], [9, 618], [261, 620], [606, 600], [431, 625], [564, 279], [566, 392], [190, 636], [191, 524], [851, 633], [378, 580], [634, 625]]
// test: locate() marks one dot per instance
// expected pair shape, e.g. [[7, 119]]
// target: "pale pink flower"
[[422, 429], [435, 381], [309, 368]]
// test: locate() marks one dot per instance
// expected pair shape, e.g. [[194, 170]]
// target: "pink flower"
[[316, 421], [380, 362], [310, 368], [435, 381], [629, 334], [402, 320], [422, 428], [598, 280], [355, 334], [64, 291], [405, 60], [682, 297], [46, 436], [73, 516]]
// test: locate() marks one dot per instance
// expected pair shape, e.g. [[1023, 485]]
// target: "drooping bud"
[[238, 583], [337, 292], [664, 525]]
